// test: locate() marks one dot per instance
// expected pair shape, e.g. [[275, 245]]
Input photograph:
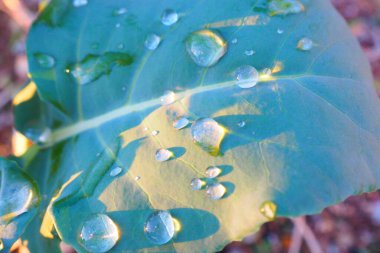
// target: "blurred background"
[[350, 227]]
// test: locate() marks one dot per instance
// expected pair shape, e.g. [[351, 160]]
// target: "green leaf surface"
[[311, 134]]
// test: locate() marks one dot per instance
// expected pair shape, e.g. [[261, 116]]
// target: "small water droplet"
[[216, 191], [99, 234], [246, 76], [181, 123], [280, 31], [116, 171], [208, 134], [305, 44], [118, 25], [120, 11], [152, 41], [163, 155], [44, 60], [120, 46], [213, 172], [137, 178], [249, 52], [159, 227], [268, 209], [241, 124], [197, 184], [285, 7], [169, 17], [79, 3], [168, 98], [234, 41], [206, 47], [155, 132]]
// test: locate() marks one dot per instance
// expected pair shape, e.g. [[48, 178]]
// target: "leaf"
[[310, 136]]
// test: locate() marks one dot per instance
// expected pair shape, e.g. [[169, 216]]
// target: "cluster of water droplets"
[[214, 190]]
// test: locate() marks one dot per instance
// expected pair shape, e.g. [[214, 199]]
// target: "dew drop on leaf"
[[213, 172], [216, 191], [206, 47], [305, 44], [44, 60], [246, 76], [152, 41], [99, 234], [168, 98], [241, 124], [285, 7], [280, 31], [155, 132], [249, 52], [208, 134], [163, 155], [118, 25], [159, 227], [181, 123], [120, 11], [137, 178], [268, 209], [169, 17], [79, 3], [197, 184], [116, 171], [234, 41]]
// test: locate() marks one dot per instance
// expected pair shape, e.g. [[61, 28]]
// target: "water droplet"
[[120, 46], [116, 171], [44, 60], [197, 184], [234, 41], [159, 227], [45, 136], [120, 11], [99, 234], [155, 132], [285, 7], [169, 17], [216, 191], [92, 67], [246, 76], [268, 209], [280, 31], [168, 98], [181, 123], [305, 44], [249, 52], [152, 41], [79, 3], [137, 178], [206, 47], [241, 124], [118, 25], [208, 134], [213, 172], [163, 155]]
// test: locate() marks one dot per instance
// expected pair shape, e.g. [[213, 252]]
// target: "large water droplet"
[[197, 184], [163, 155], [216, 191], [152, 41], [206, 47], [116, 171], [268, 209], [168, 98], [246, 76], [305, 44], [213, 172], [44, 60], [92, 67], [285, 7], [99, 234], [159, 227], [169, 17], [181, 123], [208, 134], [79, 3]]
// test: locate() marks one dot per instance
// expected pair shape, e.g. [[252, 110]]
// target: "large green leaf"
[[311, 134]]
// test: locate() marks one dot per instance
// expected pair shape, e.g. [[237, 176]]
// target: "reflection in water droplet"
[[116, 171], [249, 52], [78, 3], [181, 123], [246, 76], [216, 191], [44, 60], [99, 234], [268, 209], [197, 184], [169, 17], [120, 11], [152, 41], [206, 47], [163, 155], [241, 124], [234, 41], [155, 132], [305, 44], [208, 134], [285, 7], [213, 172], [159, 227], [168, 98]]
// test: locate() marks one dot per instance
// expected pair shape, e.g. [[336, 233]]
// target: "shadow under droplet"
[[226, 169], [177, 151], [230, 187]]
